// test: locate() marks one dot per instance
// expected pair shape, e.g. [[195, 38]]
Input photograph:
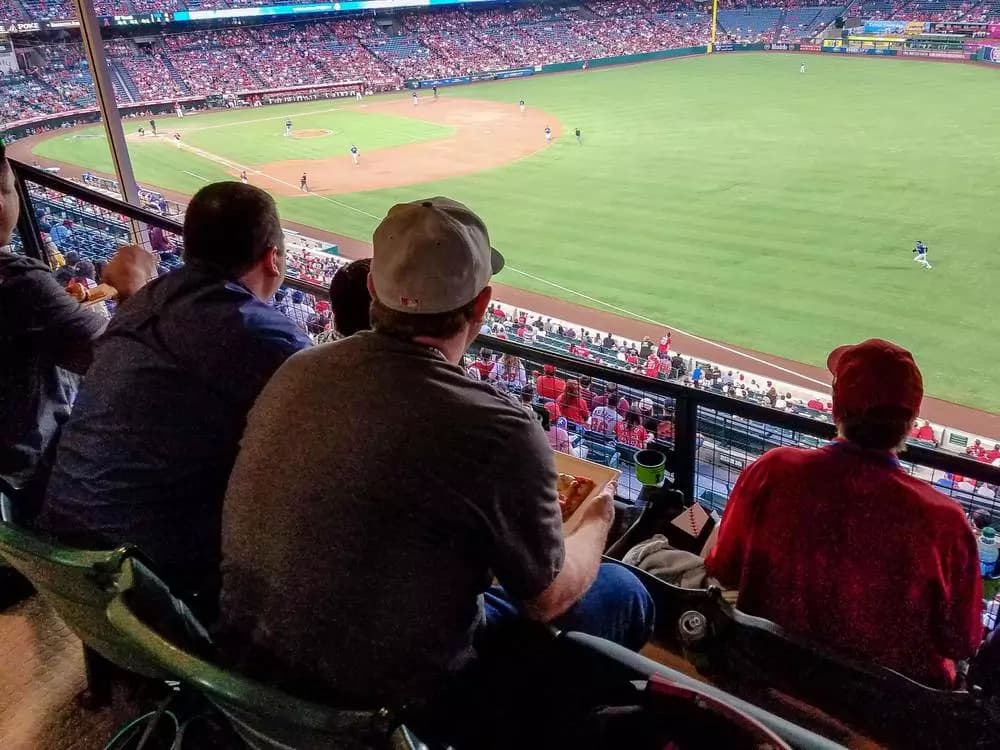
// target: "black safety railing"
[[707, 436]]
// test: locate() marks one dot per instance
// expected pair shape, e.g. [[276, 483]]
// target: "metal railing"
[[708, 437]]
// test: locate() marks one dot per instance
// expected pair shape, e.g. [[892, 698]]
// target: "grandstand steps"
[[779, 24], [125, 90], [174, 74]]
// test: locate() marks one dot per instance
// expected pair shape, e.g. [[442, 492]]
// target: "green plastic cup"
[[650, 468]]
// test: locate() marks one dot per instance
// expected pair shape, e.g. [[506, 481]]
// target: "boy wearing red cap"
[[839, 545]]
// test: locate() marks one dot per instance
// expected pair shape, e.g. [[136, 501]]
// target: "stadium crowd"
[[415, 45]]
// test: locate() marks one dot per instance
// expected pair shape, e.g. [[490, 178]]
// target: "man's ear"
[[273, 265], [482, 303]]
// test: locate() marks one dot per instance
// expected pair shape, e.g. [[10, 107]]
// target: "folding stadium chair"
[[584, 660], [753, 657], [264, 717], [79, 584]]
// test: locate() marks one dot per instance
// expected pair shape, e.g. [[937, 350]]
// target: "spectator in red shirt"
[[550, 385], [652, 366], [632, 358], [924, 432], [663, 348], [631, 432], [976, 450], [571, 405], [823, 541], [585, 393], [611, 398], [485, 365], [993, 455]]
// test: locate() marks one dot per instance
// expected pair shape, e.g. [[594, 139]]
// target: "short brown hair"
[[879, 429], [229, 226], [411, 325]]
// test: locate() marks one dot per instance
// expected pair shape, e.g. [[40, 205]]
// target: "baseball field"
[[732, 197]]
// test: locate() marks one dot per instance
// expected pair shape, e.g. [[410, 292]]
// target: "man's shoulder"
[[17, 266]]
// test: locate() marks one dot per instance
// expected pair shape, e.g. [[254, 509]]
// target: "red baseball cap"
[[875, 374]]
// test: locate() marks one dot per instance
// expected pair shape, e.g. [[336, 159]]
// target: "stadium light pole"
[[93, 45]]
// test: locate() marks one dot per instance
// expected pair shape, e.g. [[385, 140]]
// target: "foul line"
[[560, 287], [196, 176], [647, 319]]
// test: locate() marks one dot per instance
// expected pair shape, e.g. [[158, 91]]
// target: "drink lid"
[[989, 532]]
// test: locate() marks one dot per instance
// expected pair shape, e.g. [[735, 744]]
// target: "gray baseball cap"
[[431, 256]]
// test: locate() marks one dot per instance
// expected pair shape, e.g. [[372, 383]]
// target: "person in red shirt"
[[993, 455], [841, 546], [924, 432], [585, 393], [611, 398], [550, 385], [663, 348], [632, 358], [652, 366], [976, 450], [571, 405], [631, 432], [484, 365], [665, 368]]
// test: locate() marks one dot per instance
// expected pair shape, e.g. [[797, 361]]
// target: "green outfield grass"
[[728, 196]]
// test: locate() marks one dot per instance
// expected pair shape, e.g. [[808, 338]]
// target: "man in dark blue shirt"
[[147, 451]]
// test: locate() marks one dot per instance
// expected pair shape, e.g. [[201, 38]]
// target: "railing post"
[[93, 45], [27, 227], [685, 445]]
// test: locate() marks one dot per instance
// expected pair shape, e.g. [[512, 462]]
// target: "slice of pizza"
[[572, 492]]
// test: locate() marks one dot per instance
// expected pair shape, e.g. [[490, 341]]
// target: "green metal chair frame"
[[79, 585], [265, 717]]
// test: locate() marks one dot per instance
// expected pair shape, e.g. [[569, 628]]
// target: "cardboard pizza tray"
[[578, 467]]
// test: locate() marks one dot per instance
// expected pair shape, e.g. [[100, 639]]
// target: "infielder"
[[548, 135], [354, 154], [521, 105], [288, 128], [243, 177], [416, 100], [303, 184]]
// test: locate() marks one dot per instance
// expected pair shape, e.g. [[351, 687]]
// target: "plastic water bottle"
[[988, 551]]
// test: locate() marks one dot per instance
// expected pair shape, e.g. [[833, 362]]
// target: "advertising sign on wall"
[[936, 54], [885, 27]]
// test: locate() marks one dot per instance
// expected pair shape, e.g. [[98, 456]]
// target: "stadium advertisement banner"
[[429, 83], [882, 28], [743, 47], [991, 54], [941, 54], [781, 47], [956, 27], [286, 10], [993, 30], [810, 47], [845, 50]]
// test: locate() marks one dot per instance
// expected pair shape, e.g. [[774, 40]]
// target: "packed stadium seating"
[[413, 45]]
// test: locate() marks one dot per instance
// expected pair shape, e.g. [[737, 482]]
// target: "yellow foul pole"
[[715, 20]]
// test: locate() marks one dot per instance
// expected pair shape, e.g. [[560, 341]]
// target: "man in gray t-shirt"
[[379, 490]]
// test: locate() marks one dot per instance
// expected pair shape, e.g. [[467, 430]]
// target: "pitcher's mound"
[[311, 133]]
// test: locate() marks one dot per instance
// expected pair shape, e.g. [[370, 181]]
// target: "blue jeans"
[[616, 607]]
